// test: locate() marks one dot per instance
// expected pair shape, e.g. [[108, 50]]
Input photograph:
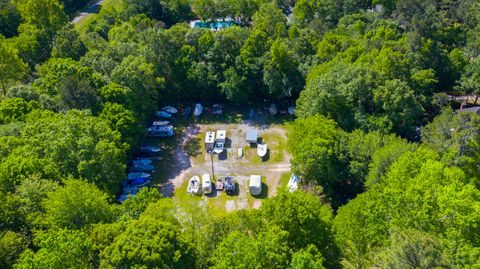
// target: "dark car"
[[229, 185]]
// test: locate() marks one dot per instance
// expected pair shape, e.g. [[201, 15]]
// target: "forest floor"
[[185, 156]]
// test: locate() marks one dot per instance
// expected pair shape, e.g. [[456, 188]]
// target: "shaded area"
[[264, 193]]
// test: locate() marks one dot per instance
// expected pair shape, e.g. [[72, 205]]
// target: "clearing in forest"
[[185, 156]]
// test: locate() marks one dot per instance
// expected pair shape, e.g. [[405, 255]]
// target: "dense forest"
[[392, 169]]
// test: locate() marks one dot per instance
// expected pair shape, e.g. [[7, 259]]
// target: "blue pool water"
[[217, 25]]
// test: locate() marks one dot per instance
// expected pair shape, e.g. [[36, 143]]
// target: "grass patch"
[[219, 200], [276, 149], [81, 25], [284, 178], [277, 146]]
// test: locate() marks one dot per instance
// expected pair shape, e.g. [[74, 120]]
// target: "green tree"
[[11, 246], [9, 18], [45, 15], [469, 81], [123, 121], [270, 20], [268, 249], [174, 11], [281, 74], [342, 92], [75, 205], [383, 157], [136, 205], [10, 217], [67, 44], [31, 192], [360, 228], [234, 86], [72, 84], [308, 258], [20, 165], [148, 242], [312, 143], [400, 107], [456, 138], [12, 68], [114, 93], [15, 109], [412, 249], [88, 148], [306, 221], [59, 249], [322, 14]]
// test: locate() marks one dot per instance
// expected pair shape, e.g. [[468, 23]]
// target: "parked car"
[[229, 185]]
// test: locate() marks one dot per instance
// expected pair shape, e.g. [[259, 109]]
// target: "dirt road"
[[94, 8]]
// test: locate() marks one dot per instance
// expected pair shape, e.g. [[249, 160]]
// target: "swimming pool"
[[216, 25]]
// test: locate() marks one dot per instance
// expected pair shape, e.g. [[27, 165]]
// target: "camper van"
[[220, 141], [206, 184], [161, 131]]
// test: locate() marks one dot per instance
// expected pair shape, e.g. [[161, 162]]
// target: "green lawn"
[[276, 149], [217, 200], [282, 185], [85, 21]]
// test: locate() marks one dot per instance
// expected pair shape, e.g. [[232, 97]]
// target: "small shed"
[[255, 184], [252, 137], [221, 136], [210, 140]]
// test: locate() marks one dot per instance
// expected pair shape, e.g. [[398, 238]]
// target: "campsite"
[[178, 134], [191, 153]]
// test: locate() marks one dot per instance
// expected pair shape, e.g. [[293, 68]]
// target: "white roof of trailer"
[[255, 181], [221, 135], [210, 137]]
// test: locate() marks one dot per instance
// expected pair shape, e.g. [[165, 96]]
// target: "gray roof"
[[252, 135]]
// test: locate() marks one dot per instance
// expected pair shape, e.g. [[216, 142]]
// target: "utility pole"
[[211, 158]]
